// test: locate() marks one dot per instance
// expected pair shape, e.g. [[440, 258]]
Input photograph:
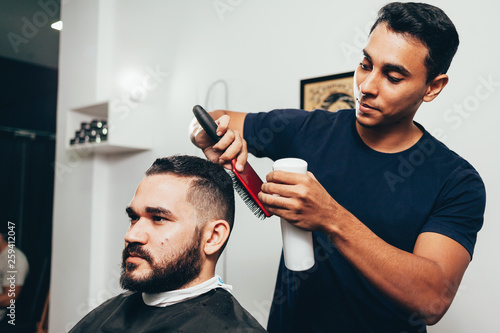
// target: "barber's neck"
[[390, 139]]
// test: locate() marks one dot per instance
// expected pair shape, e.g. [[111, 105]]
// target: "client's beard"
[[165, 275]]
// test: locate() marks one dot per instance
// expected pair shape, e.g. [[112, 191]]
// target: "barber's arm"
[[423, 282], [232, 145]]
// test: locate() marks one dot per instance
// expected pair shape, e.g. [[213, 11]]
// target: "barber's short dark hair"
[[428, 24], [211, 191]]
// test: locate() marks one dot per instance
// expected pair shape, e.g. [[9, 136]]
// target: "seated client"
[[180, 220]]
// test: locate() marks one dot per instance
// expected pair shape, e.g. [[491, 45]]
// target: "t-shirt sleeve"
[[21, 268], [459, 210], [271, 134]]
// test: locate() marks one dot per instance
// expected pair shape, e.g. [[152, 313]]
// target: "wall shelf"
[[105, 148], [128, 129]]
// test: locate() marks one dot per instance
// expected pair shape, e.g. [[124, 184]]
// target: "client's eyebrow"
[[153, 211], [130, 211], [158, 210]]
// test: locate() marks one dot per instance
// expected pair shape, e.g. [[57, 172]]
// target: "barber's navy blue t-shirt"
[[427, 188]]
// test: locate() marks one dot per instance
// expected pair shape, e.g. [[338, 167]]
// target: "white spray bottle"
[[297, 243]]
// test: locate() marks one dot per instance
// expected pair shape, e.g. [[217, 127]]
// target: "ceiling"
[[25, 32]]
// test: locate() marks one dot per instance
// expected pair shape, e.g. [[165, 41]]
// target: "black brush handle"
[[206, 122]]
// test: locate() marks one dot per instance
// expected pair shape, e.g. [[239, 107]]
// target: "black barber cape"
[[215, 311]]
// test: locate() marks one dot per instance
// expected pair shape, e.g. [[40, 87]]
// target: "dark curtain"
[[26, 199]]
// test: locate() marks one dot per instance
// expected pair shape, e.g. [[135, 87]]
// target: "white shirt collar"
[[176, 296]]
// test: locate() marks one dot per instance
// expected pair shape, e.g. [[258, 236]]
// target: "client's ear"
[[215, 235]]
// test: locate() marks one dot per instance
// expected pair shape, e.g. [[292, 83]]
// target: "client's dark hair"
[[211, 191], [428, 24]]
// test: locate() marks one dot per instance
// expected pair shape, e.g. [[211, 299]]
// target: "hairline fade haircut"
[[210, 190], [428, 24]]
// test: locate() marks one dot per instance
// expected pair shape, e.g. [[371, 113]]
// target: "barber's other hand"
[[300, 199], [231, 145]]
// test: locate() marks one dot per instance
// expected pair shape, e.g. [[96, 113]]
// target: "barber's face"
[[390, 81], [162, 245]]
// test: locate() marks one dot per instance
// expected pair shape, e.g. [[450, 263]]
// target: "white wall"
[[261, 49]]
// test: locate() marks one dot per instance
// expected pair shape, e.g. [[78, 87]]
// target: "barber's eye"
[[364, 66], [394, 79]]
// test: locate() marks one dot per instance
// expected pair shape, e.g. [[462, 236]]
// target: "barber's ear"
[[215, 235], [435, 87]]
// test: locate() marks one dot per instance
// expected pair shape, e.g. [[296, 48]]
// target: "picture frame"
[[330, 92]]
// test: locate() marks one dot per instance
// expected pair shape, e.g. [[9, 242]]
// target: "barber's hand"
[[300, 199], [231, 145]]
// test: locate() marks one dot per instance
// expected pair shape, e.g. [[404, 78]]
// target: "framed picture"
[[332, 92]]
